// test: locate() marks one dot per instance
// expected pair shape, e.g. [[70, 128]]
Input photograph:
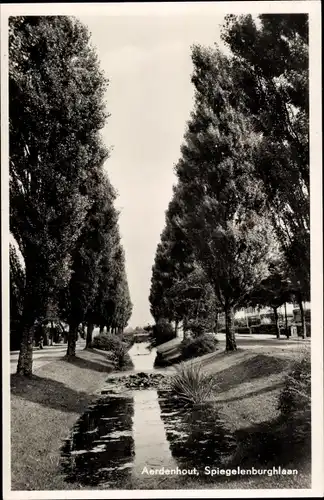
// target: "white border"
[[313, 8]]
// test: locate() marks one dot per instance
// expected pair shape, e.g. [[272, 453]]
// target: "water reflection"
[[151, 446], [101, 447], [142, 355], [120, 435], [197, 436]]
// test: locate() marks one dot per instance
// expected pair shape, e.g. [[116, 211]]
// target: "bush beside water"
[[198, 346], [128, 338], [107, 342], [115, 345], [162, 332], [188, 349]]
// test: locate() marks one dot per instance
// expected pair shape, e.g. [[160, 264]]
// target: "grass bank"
[[247, 388], [43, 410]]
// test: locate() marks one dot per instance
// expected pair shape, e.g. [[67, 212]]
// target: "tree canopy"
[[242, 198], [272, 73], [61, 205]]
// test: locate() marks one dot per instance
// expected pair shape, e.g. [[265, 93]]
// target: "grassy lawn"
[[171, 350], [248, 383], [42, 412]]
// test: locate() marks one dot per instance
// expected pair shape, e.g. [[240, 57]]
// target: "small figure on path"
[[41, 342]]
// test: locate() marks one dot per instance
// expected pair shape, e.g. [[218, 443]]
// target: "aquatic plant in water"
[[191, 384]]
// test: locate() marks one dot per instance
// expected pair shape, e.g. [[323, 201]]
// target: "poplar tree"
[[56, 110], [272, 63], [87, 255], [173, 262], [221, 200]]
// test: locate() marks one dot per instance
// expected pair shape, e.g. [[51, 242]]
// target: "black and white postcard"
[[161, 218]]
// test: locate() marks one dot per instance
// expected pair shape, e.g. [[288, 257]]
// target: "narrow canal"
[[129, 432]]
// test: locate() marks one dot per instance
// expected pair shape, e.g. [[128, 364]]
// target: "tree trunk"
[[185, 328], [216, 322], [90, 327], [247, 319], [286, 322], [72, 338], [25, 360], [52, 333], [302, 316], [275, 312], [101, 329], [45, 335], [63, 333], [230, 333], [176, 324]]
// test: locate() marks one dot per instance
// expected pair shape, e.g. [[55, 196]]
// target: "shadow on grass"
[[264, 390], [53, 347], [273, 444], [204, 440], [250, 369], [41, 358], [49, 393], [104, 366]]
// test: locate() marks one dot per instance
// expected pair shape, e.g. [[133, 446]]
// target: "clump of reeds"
[[191, 384]]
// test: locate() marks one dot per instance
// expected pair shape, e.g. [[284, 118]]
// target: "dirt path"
[[41, 357]]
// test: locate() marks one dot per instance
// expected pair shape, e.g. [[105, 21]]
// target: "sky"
[[148, 62]]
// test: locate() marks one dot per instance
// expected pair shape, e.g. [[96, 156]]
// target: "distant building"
[[265, 314]]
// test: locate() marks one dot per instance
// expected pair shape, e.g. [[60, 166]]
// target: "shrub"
[[107, 342], [191, 384], [240, 321], [128, 338], [122, 359], [191, 348], [243, 329], [295, 398], [264, 329], [162, 332], [118, 348], [197, 327], [162, 362]]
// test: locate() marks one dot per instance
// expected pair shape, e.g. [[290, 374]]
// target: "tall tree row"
[[61, 207], [243, 175], [95, 239], [272, 63], [223, 204], [179, 291]]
